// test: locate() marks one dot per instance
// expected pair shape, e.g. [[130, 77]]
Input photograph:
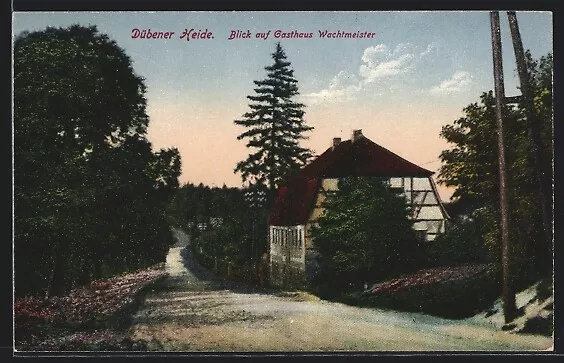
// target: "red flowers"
[[94, 303], [428, 276]]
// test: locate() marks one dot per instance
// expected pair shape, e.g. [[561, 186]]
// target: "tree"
[[532, 125], [89, 193], [470, 166], [364, 235], [235, 228], [275, 127]]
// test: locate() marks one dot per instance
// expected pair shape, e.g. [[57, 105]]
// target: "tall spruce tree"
[[275, 127]]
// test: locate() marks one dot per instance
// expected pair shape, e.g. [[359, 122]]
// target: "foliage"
[[471, 166], [222, 223], [427, 276], [89, 193], [96, 306], [462, 243], [457, 294], [89, 342], [84, 304], [364, 235], [275, 126]]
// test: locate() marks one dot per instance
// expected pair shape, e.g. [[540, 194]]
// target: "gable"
[[361, 157]]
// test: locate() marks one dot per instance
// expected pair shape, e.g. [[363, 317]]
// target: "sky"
[[414, 75]]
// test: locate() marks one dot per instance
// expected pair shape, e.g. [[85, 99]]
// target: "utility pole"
[[532, 126], [509, 305]]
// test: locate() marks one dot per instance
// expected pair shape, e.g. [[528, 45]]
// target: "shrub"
[[364, 235], [453, 299], [462, 243]]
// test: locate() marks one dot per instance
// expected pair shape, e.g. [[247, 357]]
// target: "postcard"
[[283, 182]]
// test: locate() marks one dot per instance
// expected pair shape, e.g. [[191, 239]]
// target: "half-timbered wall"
[[292, 249], [428, 213]]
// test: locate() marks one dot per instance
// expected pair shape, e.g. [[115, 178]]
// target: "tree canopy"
[[221, 222], [470, 166], [89, 192]]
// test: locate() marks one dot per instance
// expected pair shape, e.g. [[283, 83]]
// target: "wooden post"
[[532, 126], [509, 305], [411, 196]]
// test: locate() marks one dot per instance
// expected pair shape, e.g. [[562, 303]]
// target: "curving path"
[[196, 311]]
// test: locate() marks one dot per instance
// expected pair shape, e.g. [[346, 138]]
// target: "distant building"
[[214, 222], [298, 203]]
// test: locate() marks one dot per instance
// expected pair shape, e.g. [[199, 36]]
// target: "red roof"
[[361, 158], [294, 200]]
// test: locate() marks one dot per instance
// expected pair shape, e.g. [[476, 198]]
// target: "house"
[[298, 203]]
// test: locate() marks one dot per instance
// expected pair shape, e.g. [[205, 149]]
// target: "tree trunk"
[[97, 269], [56, 283], [509, 305]]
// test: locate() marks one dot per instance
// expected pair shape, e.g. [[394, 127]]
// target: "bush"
[[453, 299], [364, 235], [462, 243], [104, 304]]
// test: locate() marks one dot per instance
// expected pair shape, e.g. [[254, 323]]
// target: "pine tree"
[[275, 127]]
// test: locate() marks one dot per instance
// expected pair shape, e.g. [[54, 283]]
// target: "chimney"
[[336, 141], [357, 135]]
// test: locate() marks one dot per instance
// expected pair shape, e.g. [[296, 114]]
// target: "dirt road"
[[195, 311]]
